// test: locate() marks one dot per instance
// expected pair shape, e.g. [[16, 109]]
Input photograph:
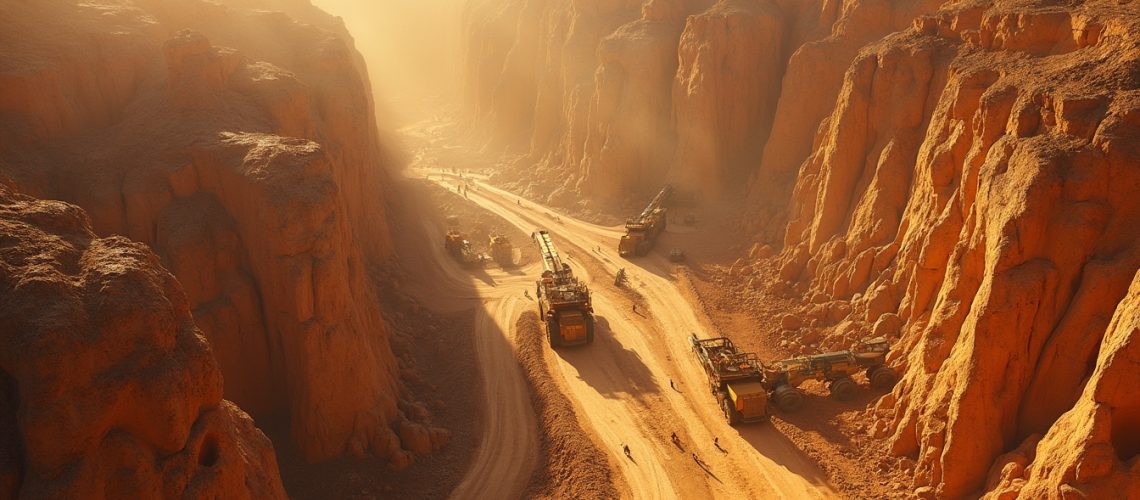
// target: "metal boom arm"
[[550, 259]]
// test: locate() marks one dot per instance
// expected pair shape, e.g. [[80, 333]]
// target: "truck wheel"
[[552, 333], [842, 389], [643, 248], [589, 329], [788, 398], [730, 414], [882, 377]]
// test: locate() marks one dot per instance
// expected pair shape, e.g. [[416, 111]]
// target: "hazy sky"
[[411, 46]]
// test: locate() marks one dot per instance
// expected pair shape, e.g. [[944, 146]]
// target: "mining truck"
[[501, 250], [835, 368], [460, 249], [735, 378], [641, 232], [563, 301]]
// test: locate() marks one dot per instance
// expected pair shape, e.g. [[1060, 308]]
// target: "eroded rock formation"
[[252, 167], [611, 97], [958, 176], [977, 179], [108, 388]]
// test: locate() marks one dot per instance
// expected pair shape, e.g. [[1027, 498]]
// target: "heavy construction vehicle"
[[834, 368], [501, 250], [563, 301], [641, 232], [461, 249], [744, 386], [735, 378]]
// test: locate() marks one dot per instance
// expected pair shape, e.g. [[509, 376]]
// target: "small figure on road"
[[716, 442], [671, 386], [625, 448], [526, 294], [674, 438], [519, 202], [698, 460], [635, 307]]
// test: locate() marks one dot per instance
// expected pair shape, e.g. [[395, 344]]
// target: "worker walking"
[[625, 448]]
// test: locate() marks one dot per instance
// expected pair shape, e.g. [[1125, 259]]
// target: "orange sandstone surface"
[[973, 194], [237, 139], [108, 388], [960, 176]]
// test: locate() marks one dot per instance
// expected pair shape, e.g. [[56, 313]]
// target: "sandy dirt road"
[[620, 383], [509, 422]]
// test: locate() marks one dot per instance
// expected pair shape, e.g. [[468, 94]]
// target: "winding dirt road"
[[620, 384]]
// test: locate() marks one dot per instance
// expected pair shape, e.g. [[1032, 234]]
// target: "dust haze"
[[411, 47]]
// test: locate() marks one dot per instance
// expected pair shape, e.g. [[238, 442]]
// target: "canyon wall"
[[957, 176], [109, 389], [253, 168], [972, 196], [609, 98]]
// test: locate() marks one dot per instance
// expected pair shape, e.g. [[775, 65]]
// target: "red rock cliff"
[[609, 98], [959, 178], [252, 167], [108, 389], [972, 194]]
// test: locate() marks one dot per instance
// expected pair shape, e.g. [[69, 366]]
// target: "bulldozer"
[[641, 232], [563, 301], [460, 249], [502, 251], [735, 378], [835, 368]]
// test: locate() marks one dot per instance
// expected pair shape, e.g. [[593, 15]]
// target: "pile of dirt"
[[104, 375], [572, 465]]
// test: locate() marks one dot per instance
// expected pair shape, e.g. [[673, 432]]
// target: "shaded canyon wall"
[[108, 388], [240, 144]]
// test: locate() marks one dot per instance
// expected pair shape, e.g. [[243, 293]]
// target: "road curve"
[[620, 384]]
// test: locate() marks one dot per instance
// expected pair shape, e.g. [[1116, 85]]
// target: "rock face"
[[609, 98], [254, 171], [724, 92], [109, 389], [1091, 450], [977, 178], [958, 177]]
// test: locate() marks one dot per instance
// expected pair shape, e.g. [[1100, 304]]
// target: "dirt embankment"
[[571, 464]]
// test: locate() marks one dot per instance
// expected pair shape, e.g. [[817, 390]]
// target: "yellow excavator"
[[641, 232]]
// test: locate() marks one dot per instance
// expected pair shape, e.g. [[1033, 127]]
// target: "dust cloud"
[[412, 51]]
